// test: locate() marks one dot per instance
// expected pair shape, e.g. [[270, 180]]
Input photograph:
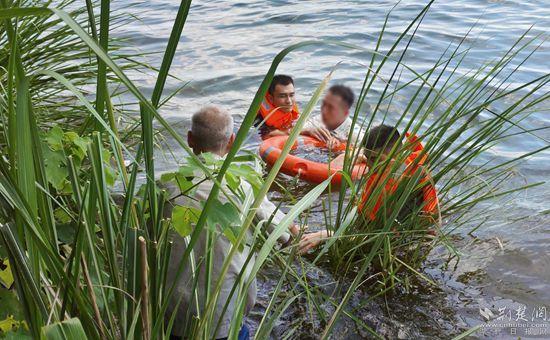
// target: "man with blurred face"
[[333, 125], [279, 110]]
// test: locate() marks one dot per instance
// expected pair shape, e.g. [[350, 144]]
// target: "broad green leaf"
[[54, 158], [178, 179], [82, 143], [21, 333], [110, 175], [183, 219], [57, 176], [78, 145], [9, 325], [247, 172], [231, 232], [6, 276], [70, 136], [255, 181], [209, 158], [167, 177], [54, 138], [110, 172], [227, 218], [242, 170], [61, 215], [188, 170], [67, 330], [232, 181], [66, 232], [183, 183], [224, 215], [10, 305]]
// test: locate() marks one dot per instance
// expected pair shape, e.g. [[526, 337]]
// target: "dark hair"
[[344, 92], [280, 79], [382, 136]]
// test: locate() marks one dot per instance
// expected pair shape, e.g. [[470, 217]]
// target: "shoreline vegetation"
[[78, 262]]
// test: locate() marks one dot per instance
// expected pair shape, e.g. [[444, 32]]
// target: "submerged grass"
[[107, 278]]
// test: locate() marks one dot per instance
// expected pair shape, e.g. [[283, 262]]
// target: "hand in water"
[[338, 161], [319, 133], [333, 143], [311, 240], [295, 229]]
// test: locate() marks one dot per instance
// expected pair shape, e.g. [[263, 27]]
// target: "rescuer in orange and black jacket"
[[278, 110]]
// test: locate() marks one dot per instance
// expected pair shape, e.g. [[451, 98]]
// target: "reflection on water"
[[227, 47], [313, 153]]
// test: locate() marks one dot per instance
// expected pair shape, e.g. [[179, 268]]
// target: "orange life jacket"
[[277, 118], [429, 194]]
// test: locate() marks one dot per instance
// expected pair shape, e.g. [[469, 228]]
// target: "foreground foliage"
[[87, 262]]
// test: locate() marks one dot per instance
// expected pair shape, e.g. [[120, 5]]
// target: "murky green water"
[[227, 47]]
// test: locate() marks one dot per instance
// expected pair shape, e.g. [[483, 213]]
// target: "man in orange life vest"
[[378, 146], [380, 141], [278, 111]]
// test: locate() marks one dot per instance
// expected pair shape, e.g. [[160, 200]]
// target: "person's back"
[[211, 131], [386, 180], [191, 298]]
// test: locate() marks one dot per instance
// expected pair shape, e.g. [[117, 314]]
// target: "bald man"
[[212, 131]]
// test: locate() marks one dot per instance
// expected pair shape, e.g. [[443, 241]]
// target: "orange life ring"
[[315, 172], [310, 171]]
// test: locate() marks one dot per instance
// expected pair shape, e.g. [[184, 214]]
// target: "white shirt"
[[221, 248], [341, 132]]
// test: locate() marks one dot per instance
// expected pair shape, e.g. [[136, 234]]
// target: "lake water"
[[225, 50]]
